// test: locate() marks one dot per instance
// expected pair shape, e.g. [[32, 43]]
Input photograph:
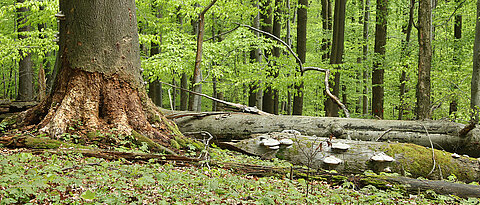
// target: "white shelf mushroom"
[[269, 142], [274, 147], [340, 146], [455, 155], [286, 142], [382, 157], [332, 160]]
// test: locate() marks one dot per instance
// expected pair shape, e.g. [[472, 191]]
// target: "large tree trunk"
[[476, 64], [407, 158], [424, 59], [301, 52], [336, 57], [443, 134], [380, 42], [25, 66], [99, 86]]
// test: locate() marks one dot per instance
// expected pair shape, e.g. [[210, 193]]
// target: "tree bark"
[[336, 57], [277, 27], [366, 72], [403, 76], [327, 26], [413, 186], [457, 33], [197, 73], [25, 65], [378, 71], [424, 59], [155, 91], [443, 134], [266, 18], [301, 52], [255, 94], [99, 85], [475, 93]]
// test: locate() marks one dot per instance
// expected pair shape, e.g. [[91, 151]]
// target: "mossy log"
[[409, 159], [443, 134]]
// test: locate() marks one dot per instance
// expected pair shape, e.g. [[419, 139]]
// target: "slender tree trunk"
[[475, 103], [366, 19], [380, 42], [405, 53], [457, 33], [301, 52], [266, 18], [197, 74], [255, 94], [184, 94], [336, 57], [289, 42], [155, 87], [277, 27], [424, 59], [25, 69], [327, 26]]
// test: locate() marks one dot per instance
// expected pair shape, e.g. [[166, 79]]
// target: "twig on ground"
[[433, 151], [383, 134]]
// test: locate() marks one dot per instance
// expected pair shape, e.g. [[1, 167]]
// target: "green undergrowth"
[[75, 179]]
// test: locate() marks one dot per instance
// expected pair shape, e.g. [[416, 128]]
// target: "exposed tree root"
[[96, 102]]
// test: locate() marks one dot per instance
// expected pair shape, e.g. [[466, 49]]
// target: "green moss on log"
[[417, 160], [151, 144]]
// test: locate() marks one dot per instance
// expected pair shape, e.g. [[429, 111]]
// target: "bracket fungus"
[[286, 142], [382, 157], [340, 147], [270, 143], [332, 160]]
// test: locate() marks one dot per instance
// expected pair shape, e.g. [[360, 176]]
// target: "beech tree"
[[424, 58], [336, 57], [378, 71], [475, 103], [25, 67], [301, 52], [99, 86]]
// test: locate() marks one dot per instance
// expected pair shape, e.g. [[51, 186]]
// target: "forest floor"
[[70, 178]]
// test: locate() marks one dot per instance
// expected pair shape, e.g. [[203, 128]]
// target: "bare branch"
[[244, 108]]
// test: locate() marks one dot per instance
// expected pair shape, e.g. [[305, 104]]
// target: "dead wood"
[[405, 159], [444, 135], [241, 107], [413, 186], [114, 155]]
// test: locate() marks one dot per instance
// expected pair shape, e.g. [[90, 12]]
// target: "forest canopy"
[[168, 46]]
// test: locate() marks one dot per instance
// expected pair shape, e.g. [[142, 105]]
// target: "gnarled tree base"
[[96, 102]]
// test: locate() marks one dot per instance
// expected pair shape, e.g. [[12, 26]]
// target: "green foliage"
[[169, 24], [72, 178]]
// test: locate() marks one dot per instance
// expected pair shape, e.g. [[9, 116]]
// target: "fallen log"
[[9, 108], [410, 185], [355, 157], [442, 134]]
